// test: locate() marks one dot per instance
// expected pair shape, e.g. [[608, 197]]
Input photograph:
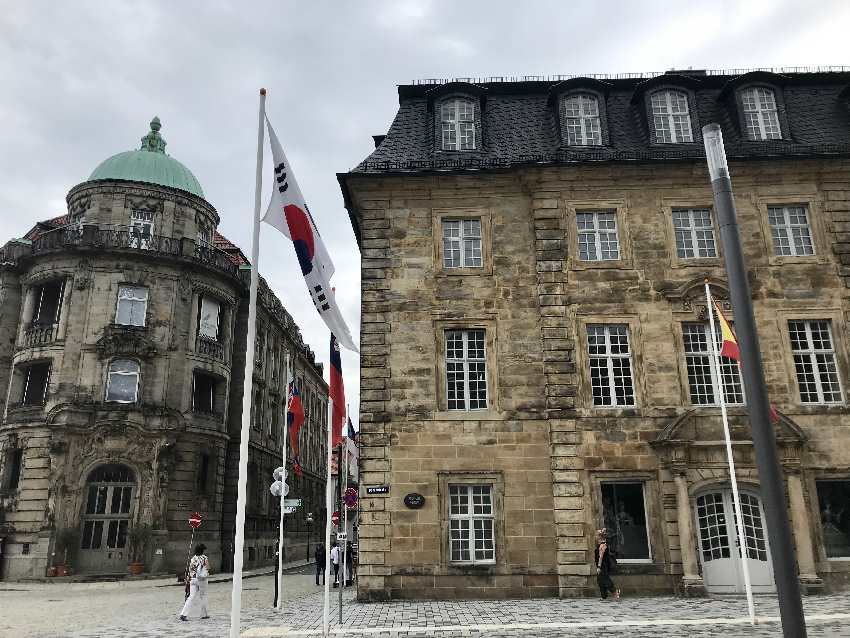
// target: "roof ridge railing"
[[627, 76]]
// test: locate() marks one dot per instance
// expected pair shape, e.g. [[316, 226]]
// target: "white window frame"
[[671, 124], [465, 362], [625, 481], [726, 365], [794, 234], [132, 298], [110, 372], [466, 243], [457, 125], [204, 237], [761, 117], [692, 235], [468, 490], [608, 357], [596, 233], [140, 229], [811, 355], [580, 113]]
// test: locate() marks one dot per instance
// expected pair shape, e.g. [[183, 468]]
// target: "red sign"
[[335, 518], [350, 498], [195, 520]]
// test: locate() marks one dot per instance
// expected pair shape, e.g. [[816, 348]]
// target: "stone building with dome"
[[122, 351]]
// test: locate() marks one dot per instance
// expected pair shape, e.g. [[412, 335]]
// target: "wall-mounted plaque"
[[414, 501]]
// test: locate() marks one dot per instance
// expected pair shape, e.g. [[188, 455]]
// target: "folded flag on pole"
[[294, 421], [351, 433], [288, 213], [337, 393]]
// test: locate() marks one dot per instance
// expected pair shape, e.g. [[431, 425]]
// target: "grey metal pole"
[[339, 507], [758, 405]]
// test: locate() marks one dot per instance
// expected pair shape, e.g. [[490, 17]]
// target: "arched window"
[[457, 121], [760, 116], [580, 114], [671, 117], [122, 384]]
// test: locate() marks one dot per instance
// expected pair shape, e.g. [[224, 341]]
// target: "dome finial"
[[153, 141]]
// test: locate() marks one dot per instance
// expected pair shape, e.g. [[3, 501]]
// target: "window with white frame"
[[597, 236], [610, 365], [204, 236], [457, 121], [671, 117], [581, 120], [760, 116], [814, 361], [624, 516], [694, 231], [471, 534], [702, 377], [122, 384], [141, 229], [462, 243], [209, 315], [132, 306], [789, 227], [466, 370]]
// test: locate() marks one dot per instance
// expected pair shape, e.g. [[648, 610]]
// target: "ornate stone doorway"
[[107, 515]]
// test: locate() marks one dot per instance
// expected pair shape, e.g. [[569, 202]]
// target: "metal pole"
[[764, 440], [282, 495], [339, 507], [328, 512]]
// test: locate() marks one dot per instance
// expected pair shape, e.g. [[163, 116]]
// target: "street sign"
[[342, 536], [335, 518], [195, 520], [288, 510], [378, 489], [277, 487], [292, 502], [350, 498]]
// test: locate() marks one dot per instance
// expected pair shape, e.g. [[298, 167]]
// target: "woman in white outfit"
[[199, 571]]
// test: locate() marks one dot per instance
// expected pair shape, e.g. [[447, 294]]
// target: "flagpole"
[[247, 388], [328, 512], [282, 495], [739, 522], [344, 512]]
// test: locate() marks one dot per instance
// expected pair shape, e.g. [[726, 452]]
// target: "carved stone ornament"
[[80, 204], [117, 341], [690, 296], [83, 274], [147, 204], [184, 287], [136, 275]]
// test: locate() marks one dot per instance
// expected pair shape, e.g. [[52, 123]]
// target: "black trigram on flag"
[[280, 176], [320, 299]]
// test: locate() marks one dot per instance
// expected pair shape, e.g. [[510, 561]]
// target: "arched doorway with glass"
[[110, 496], [719, 550]]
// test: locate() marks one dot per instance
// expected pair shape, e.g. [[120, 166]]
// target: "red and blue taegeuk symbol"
[[302, 236]]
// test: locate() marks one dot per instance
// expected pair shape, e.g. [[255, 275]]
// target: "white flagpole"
[[742, 540], [329, 511], [282, 495], [247, 388]]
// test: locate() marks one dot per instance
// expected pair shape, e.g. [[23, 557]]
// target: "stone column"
[[26, 314], [692, 584], [802, 532]]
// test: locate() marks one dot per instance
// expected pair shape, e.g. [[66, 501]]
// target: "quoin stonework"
[[122, 353], [534, 332]]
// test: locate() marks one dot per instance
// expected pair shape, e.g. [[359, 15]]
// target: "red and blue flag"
[[337, 394]]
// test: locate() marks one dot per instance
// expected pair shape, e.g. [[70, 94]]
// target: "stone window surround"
[[837, 563], [487, 324], [652, 509], [621, 210], [601, 108], [483, 214], [584, 393], [107, 364], [496, 480], [226, 318], [118, 303], [30, 285], [781, 113], [814, 210], [17, 384], [668, 204]]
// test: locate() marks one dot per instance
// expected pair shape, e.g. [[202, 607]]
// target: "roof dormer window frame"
[[458, 123], [778, 113], [665, 114], [580, 130]]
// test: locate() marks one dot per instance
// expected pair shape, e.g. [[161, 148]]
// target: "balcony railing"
[[38, 335], [210, 348]]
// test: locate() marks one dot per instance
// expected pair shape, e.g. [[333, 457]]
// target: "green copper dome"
[[149, 164]]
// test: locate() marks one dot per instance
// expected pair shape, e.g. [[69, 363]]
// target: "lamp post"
[[758, 406], [309, 522]]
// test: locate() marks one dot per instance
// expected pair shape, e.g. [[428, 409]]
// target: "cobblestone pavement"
[[545, 618]]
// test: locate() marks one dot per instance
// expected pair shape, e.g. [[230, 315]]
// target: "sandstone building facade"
[[122, 345], [534, 357]]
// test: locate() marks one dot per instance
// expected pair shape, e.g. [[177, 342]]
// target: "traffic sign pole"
[[194, 523]]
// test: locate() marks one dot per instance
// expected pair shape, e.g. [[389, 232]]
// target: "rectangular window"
[[834, 506], [610, 365], [48, 301], [624, 514], [581, 118], [597, 236], [466, 370], [671, 117], [203, 473], [471, 538], [789, 227], [13, 464], [702, 378], [760, 114], [203, 393], [462, 243], [209, 312], [257, 409], [814, 361], [132, 306], [204, 237], [36, 379], [457, 120], [694, 233], [141, 229]]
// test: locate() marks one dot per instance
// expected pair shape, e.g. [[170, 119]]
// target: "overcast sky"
[[80, 81]]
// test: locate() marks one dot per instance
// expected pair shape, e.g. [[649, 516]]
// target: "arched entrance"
[[718, 546], [108, 510]]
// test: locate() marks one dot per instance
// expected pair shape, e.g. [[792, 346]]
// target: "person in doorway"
[[605, 563], [335, 561], [319, 556], [198, 573], [349, 563]]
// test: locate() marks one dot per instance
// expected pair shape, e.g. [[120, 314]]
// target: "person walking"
[[335, 561], [349, 564], [605, 563], [319, 556], [198, 573]]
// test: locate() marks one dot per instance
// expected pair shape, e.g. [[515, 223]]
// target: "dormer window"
[[671, 117], [580, 114], [457, 121], [760, 115]]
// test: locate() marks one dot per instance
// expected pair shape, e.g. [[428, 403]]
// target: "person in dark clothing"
[[604, 566], [319, 555], [349, 563]]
